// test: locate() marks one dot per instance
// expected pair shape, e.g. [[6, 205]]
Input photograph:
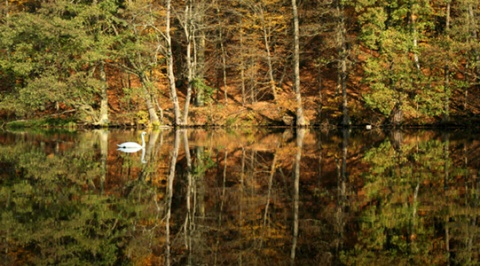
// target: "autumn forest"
[[240, 62]]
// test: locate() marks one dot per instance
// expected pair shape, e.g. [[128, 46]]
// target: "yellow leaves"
[[268, 17]]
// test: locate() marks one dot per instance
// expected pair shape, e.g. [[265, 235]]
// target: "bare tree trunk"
[[296, 59], [199, 53], [342, 64], [170, 73], [189, 34], [104, 97], [269, 56], [446, 104], [200, 63], [472, 24], [148, 100], [224, 59], [415, 38], [242, 69], [446, 85]]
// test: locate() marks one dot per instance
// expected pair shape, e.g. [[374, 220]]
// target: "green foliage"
[[393, 29], [53, 213], [201, 87], [54, 53]]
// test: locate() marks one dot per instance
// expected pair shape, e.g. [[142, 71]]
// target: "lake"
[[242, 197]]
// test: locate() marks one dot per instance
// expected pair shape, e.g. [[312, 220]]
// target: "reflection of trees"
[[240, 198], [52, 214], [409, 209], [296, 194]]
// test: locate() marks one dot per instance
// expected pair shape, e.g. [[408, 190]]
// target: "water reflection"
[[198, 197]]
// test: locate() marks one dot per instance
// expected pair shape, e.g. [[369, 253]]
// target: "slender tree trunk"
[[104, 96], [446, 86], [189, 34], [296, 62], [242, 69], [200, 180], [414, 38], [223, 55], [169, 195], [474, 39], [270, 184], [269, 56], [104, 157], [446, 91], [342, 64], [170, 73], [200, 63], [148, 100], [190, 219], [342, 181], [296, 194]]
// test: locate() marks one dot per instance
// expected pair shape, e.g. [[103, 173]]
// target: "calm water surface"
[[198, 197]]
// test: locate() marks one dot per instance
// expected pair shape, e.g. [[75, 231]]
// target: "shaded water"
[[240, 198]]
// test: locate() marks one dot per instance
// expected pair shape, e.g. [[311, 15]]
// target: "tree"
[[390, 30], [138, 49], [49, 55], [170, 72], [465, 35], [341, 41], [296, 66]]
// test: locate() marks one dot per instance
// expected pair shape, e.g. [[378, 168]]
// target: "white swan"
[[132, 146]]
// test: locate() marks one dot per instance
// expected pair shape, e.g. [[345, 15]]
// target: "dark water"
[[197, 197]]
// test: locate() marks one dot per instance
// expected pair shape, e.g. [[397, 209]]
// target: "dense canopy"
[[199, 62]]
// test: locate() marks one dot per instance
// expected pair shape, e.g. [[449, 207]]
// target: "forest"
[[240, 62]]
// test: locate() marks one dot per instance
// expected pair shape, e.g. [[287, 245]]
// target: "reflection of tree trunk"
[[413, 230], [445, 160], [200, 179], [104, 153], [222, 202], [342, 193], [147, 155], [447, 240], [298, 157], [189, 220], [242, 199], [152, 141], [396, 139], [169, 195], [270, 182]]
